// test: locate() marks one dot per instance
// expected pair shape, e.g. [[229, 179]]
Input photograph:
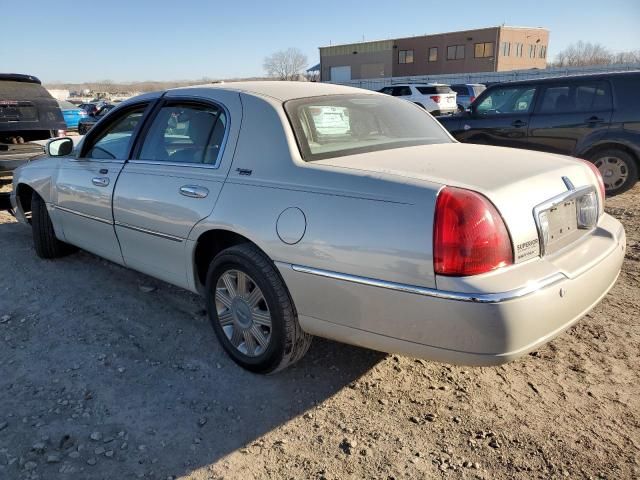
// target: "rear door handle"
[[194, 191], [519, 123], [100, 181]]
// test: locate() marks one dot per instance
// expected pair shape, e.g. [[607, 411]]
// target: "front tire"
[[44, 237], [251, 311], [618, 168]]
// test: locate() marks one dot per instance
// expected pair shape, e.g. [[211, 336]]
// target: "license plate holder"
[[563, 221], [557, 220]]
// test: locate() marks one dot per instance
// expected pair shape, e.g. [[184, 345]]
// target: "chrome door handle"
[[193, 191], [100, 181]]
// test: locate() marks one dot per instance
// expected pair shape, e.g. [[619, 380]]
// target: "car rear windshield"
[[338, 125], [434, 89], [18, 101]]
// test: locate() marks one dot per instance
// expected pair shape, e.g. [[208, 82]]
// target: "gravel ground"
[[108, 374]]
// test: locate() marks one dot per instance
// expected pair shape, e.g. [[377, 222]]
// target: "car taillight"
[[598, 175], [469, 235], [435, 98], [471, 98]]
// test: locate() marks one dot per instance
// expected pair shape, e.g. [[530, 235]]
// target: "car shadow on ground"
[[120, 376]]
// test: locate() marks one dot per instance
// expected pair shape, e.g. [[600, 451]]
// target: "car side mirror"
[[59, 147]]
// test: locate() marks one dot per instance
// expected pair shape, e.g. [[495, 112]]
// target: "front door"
[[501, 117], [85, 185], [569, 113], [172, 182]]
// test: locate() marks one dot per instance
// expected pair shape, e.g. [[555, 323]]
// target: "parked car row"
[[91, 119], [594, 117]]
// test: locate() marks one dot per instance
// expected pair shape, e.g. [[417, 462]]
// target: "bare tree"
[[285, 64], [632, 56], [583, 53]]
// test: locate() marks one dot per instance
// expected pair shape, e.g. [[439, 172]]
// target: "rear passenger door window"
[[576, 97], [401, 91], [185, 133]]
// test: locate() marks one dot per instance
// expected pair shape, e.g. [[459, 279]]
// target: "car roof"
[[589, 76], [283, 90], [409, 84], [19, 77]]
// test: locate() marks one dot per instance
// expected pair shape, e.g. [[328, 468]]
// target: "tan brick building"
[[493, 49]]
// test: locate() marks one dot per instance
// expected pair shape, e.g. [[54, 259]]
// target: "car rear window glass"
[[436, 89], [185, 134], [576, 98], [338, 125], [401, 91]]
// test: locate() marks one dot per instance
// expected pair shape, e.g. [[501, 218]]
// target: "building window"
[[542, 53], [405, 56], [455, 52], [505, 49], [433, 54], [484, 50], [519, 47], [532, 51]]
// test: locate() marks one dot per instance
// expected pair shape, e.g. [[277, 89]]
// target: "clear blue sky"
[[141, 40]]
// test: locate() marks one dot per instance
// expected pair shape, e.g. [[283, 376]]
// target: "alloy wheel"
[[614, 171], [243, 313]]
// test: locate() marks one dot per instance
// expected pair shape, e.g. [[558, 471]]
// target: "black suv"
[[28, 113], [595, 117]]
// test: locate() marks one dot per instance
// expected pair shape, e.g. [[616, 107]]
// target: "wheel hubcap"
[[243, 313], [613, 170]]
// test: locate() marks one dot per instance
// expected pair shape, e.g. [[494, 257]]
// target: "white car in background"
[[435, 98]]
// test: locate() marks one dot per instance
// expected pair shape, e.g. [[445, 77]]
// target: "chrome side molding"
[[432, 292]]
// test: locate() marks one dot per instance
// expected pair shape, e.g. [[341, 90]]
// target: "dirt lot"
[[108, 374]]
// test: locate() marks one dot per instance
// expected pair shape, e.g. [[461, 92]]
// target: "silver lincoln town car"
[[300, 209]]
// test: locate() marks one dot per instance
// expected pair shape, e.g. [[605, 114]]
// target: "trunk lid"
[[515, 181]]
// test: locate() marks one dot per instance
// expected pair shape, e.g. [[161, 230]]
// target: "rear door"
[[500, 117], [568, 113], [173, 181], [84, 186]]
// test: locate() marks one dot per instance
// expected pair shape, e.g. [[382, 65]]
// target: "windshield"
[[337, 125]]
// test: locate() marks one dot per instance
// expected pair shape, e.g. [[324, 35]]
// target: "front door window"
[[114, 142]]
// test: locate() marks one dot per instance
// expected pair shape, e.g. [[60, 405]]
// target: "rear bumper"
[[473, 329]]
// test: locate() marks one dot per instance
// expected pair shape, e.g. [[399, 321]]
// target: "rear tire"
[[251, 311], [618, 168], [44, 238]]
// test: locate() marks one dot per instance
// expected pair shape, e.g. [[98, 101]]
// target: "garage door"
[[340, 74]]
